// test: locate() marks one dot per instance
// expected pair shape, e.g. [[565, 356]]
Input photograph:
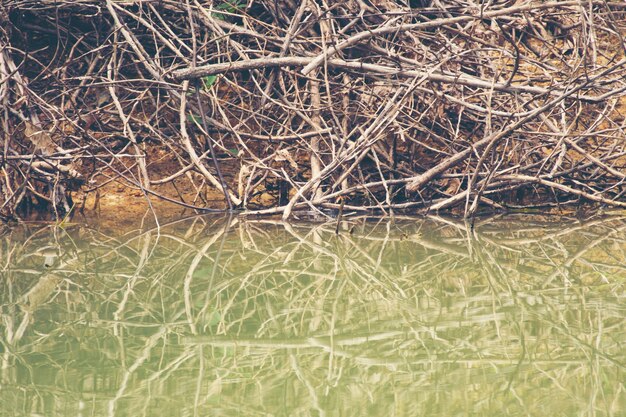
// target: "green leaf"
[[230, 5], [208, 81], [195, 119]]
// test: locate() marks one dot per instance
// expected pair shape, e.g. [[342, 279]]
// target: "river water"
[[519, 316]]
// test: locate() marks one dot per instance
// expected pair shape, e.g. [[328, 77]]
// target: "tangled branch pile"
[[283, 105]]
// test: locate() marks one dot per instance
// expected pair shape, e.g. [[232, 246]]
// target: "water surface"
[[225, 316]]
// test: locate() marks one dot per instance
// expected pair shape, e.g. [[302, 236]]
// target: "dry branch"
[[389, 104]]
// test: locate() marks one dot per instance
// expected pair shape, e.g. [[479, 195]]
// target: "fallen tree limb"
[[370, 70]]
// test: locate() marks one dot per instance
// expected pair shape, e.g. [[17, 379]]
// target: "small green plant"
[[228, 7], [207, 84]]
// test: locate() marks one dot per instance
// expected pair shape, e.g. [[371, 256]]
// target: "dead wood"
[[282, 105]]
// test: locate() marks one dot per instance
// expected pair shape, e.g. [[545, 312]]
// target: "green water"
[[521, 316]]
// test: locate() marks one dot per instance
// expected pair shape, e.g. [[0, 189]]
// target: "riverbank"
[[387, 106]]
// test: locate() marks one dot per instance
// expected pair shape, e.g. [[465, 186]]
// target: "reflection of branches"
[[219, 307]]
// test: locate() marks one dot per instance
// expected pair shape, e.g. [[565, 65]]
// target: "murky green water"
[[213, 316]]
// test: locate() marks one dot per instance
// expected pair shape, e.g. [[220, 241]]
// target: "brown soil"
[[122, 206]]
